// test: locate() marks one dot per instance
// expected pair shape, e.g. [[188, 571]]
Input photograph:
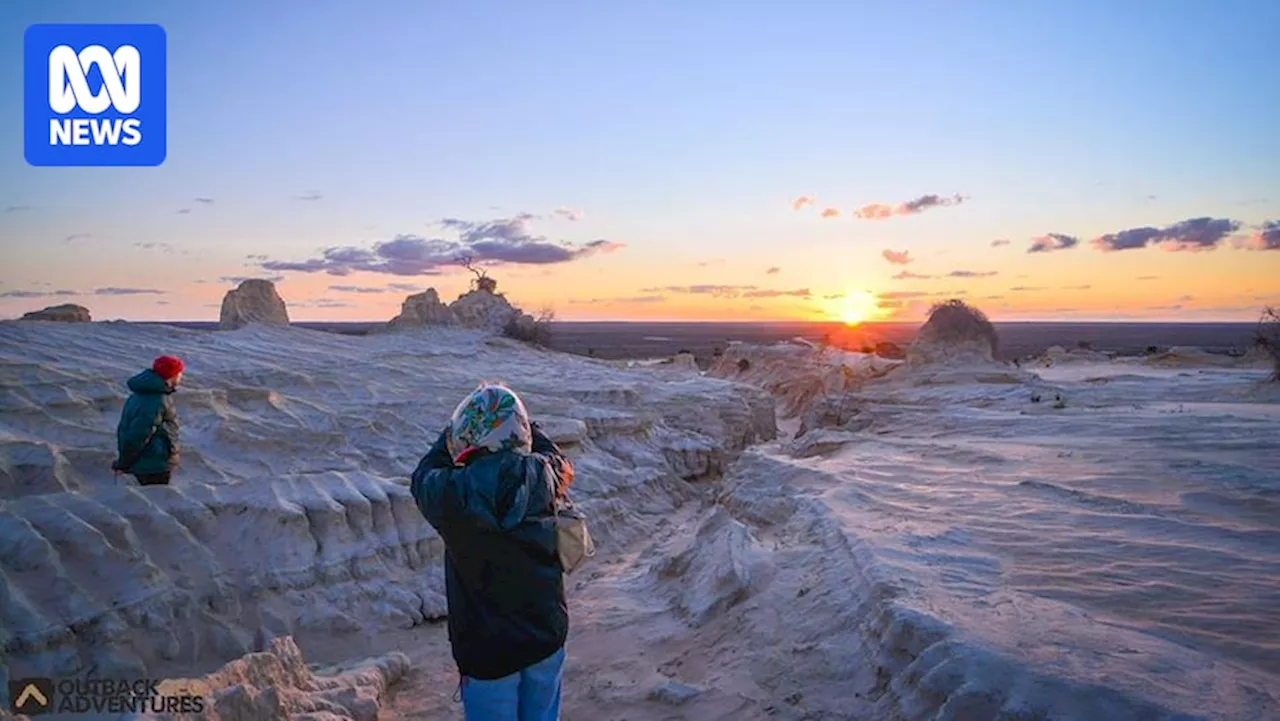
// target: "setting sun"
[[858, 306]]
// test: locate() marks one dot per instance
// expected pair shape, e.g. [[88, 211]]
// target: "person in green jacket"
[[147, 438]]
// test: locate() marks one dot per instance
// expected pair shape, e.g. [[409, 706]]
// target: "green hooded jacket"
[[150, 407]]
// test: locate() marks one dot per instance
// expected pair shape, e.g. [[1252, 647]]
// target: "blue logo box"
[[94, 95]]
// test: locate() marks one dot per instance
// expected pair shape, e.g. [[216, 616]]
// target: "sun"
[[858, 306]]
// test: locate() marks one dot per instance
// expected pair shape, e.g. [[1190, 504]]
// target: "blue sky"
[[682, 133]]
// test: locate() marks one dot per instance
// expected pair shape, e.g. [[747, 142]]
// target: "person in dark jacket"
[[147, 437], [489, 485]]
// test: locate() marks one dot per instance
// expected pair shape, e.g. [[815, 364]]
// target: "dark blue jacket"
[[502, 574], [148, 413]]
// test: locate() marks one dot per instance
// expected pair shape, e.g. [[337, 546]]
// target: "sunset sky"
[[1095, 159]]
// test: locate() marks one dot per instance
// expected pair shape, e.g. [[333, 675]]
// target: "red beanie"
[[168, 366]]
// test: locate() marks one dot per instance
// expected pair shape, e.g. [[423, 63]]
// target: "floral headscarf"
[[491, 417]]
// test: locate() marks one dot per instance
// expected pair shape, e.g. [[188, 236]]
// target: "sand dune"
[[935, 545]]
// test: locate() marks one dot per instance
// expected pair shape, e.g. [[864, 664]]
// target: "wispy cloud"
[[897, 257], [728, 291], [406, 287], [1076, 287], [908, 275], [773, 271], [972, 273], [903, 295], [128, 291], [569, 213], [509, 240], [37, 293], [1050, 242], [77, 236], [800, 202], [634, 300], [309, 195], [1148, 277], [357, 289], [162, 247], [1026, 288], [184, 211], [1267, 237], [999, 242], [768, 293], [709, 263], [206, 201], [1193, 234], [17, 208], [880, 211], [238, 279], [831, 213]]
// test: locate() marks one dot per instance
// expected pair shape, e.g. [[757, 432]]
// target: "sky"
[[662, 160]]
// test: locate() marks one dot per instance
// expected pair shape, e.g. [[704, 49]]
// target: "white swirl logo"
[[69, 86]]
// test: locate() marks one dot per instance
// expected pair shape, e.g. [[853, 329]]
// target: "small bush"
[[536, 333], [1084, 345], [956, 321], [1267, 338], [744, 365]]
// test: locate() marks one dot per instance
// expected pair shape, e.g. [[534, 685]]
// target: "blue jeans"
[[530, 694]]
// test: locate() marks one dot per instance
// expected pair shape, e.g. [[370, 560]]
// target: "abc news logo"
[[69, 89], [95, 95]]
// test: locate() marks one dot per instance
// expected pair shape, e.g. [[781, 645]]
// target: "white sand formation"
[[65, 313], [253, 301], [276, 684], [482, 308], [423, 309], [955, 334], [799, 374], [968, 555]]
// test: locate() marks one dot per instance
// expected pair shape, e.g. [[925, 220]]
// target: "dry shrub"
[[957, 322]]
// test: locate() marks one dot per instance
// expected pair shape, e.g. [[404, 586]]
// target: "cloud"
[[1193, 234], [569, 213], [238, 279], [719, 291], [206, 201], [356, 289], [999, 242], [800, 202], [17, 208], [508, 240], [880, 211], [902, 295], [162, 247], [639, 300], [773, 271], [309, 196], [831, 213], [37, 293], [972, 274], [406, 287], [896, 257], [128, 291], [709, 263], [1148, 277], [1266, 238], [1186, 298], [798, 293], [1050, 242], [994, 297], [1076, 287], [76, 236], [1025, 288], [184, 211], [1175, 306], [908, 275]]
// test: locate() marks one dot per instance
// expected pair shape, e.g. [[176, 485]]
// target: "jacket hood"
[[498, 495], [491, 417], [148, 381]]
